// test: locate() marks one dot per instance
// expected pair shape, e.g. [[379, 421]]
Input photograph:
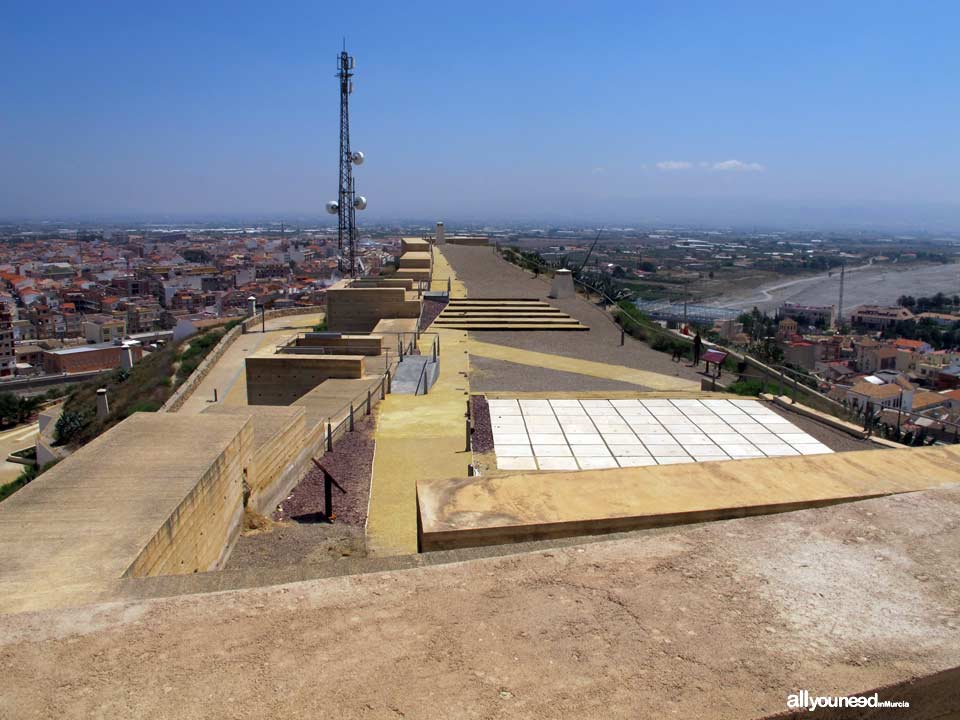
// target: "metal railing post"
[[368, 401], [383, 387], [468, 435], [351, 417], [622, 335], [389, 381], [780, 391], [329, 435], [433, 347], [215, 395]]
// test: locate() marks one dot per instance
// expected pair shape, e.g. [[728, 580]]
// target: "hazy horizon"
[[612, 113]]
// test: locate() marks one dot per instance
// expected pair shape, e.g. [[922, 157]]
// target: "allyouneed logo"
[[804, 699]]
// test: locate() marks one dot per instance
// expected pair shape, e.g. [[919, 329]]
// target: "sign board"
[[714, 356]]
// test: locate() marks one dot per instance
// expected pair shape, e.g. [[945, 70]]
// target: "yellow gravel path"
[[419, 437]]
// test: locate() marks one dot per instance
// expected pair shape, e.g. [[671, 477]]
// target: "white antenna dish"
[[357, 158], [360, 202], [333, 207]]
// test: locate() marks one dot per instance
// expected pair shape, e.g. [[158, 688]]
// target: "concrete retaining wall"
[[280, 379], [183, 393], [360, 309], [391, 282], [370, 345], [200, 533], [414, 245], [278, 436]]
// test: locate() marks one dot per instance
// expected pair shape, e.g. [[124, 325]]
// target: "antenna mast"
[[347, 202]]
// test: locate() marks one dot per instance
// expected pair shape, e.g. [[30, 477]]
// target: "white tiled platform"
[[589, 434]]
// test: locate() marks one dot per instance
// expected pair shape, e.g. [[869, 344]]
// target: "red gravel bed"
[[351, 464], [429, 311], [482, 439]]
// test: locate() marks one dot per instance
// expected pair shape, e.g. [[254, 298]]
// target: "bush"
[[752, 387], [15, 410], [26, 476], [69, 425], [144, 388]]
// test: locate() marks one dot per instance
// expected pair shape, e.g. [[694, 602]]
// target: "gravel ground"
[[431, 308], [486, 275], [298, 533], [482, 439], [487, 374], [836, 440], [351, 465]]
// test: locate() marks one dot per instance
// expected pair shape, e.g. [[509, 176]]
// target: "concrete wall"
[[157, 493], [183, 393], [414, 245], [278, 438], [280, 379], [370, 345], [201, 531], [467, 240], [414, 260], [360, 309], [391, 282]]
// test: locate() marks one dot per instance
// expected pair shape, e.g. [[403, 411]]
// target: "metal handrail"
[[423, 371]]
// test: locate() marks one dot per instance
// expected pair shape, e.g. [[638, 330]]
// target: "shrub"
[[70, 424], [752, 387], [26, 476]]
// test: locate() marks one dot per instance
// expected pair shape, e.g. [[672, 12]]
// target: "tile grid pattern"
[[589, 434]]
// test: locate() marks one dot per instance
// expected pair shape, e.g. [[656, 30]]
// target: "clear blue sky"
[[832, 112]]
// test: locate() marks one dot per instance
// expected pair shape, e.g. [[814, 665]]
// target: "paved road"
[[228, 376], [878, 284], [16, 439]]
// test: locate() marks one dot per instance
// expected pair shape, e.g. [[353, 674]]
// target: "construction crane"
[[590, 251]]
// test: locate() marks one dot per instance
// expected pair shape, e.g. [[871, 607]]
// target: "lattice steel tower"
[[347, 202]]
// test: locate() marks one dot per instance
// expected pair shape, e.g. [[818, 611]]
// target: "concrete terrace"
[[725, 586], [596, 354], [228, 375], [67, 537], [717, 620]]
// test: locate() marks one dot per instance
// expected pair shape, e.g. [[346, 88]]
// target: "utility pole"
[[843, 269], [347, 202]]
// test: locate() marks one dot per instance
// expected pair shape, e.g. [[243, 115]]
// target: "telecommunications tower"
[[347, 202]]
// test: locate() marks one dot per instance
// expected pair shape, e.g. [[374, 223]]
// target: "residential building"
[[878, 317], [813, 315], [86, 358], [104, 328]]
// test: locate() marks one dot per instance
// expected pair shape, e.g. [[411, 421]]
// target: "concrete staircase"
[[505, 314], [415, 375]]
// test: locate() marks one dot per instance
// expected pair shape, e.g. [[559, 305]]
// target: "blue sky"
[[760, 113]]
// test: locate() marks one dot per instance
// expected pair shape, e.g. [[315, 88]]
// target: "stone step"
[[502, 326]]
